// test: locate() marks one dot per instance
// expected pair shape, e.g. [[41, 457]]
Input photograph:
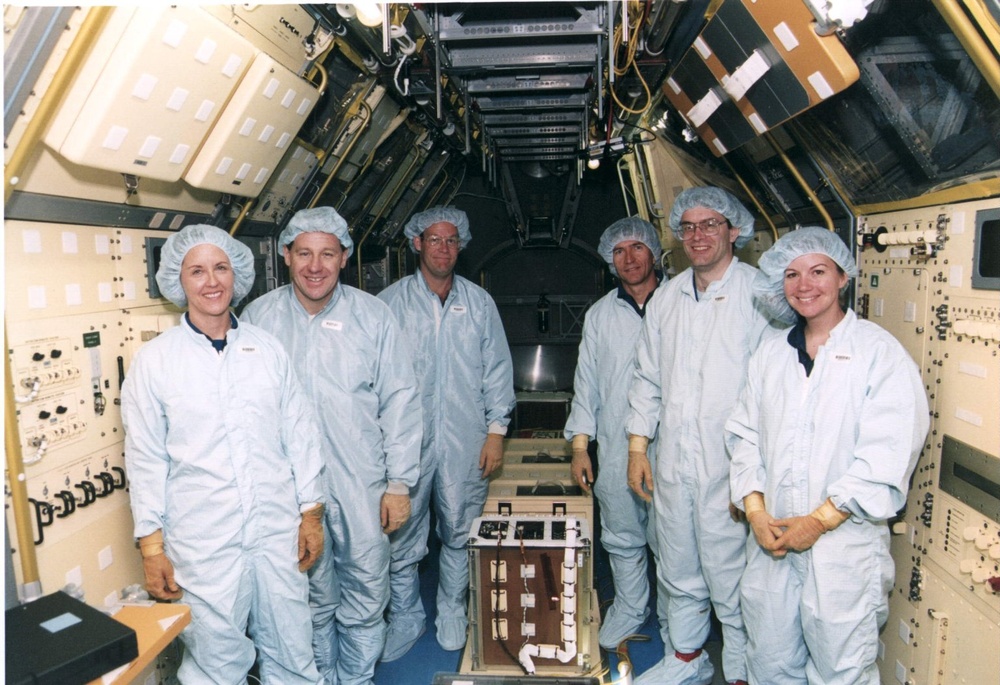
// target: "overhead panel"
[[150, 91], [255, 130], [530, 141], [753, 67], [479, 23], [534, 82], [547, 102], [501, 130], [550, 150], [277, 29], [755, 72], [278, 197], [931, 130], [499, 57], [527, 65], [543, 119]]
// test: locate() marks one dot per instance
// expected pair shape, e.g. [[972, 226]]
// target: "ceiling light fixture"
[[369, 13]]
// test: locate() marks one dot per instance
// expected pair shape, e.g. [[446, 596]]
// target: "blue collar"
[[640, 309], [219, 345], [797, 339]]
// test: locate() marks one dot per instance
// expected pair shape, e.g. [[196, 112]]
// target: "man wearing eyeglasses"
[[348, 353], [691, 360], [466, 380]]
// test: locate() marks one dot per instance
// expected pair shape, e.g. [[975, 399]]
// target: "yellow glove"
[[157, 568], [640, 473], [310, 537], [582, 468]]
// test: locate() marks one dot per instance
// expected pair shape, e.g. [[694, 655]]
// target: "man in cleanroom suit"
[[824, 440], [466, 379], [225, 472], [347, 349], [631, 247], [691, 360]]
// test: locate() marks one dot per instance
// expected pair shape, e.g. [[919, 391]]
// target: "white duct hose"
[[567, 606]]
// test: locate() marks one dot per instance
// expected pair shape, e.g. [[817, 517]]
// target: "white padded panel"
[[253, 134], [157, 72]]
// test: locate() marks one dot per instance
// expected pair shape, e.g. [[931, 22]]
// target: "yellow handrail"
[[827, 219], [88, 34], [18, 489]]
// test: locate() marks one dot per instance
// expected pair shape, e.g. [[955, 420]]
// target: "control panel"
[[926, 279]]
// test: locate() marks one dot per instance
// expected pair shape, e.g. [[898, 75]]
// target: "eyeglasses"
[[708, 227], [437, 241]]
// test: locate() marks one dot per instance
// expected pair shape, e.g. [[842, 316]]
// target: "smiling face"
[[812, 287], [438, 260], [314, 261], [709, 254], [634, 262], [207, 279]]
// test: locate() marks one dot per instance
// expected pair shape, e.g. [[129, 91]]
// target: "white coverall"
[[599, 409], [221, 454], [466, 379], [851, 431], [360, 381], [690, 367]]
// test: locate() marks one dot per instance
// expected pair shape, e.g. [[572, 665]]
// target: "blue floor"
[[427, 658]]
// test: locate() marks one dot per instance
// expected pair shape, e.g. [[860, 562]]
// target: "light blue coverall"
[[466, 379], [600, 407], [690, 367], [360, 380], [851, 431], [221, 454]]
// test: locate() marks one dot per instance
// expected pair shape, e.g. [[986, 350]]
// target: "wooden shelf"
[[155, 626]]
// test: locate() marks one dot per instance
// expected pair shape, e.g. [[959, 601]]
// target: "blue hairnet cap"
[[317, 220], [629, 228], [718, 200], [421, 221], [168, 275], [769, 283]]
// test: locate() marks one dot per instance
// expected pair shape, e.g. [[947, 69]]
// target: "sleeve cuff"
[[638, 443], [753, 503], [581, 441], [829, 515], [152, 544], [397, 487], [496, 429]]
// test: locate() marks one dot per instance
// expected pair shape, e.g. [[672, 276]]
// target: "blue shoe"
[[670, 669], [618, 625], [400, 637], [451, 633]]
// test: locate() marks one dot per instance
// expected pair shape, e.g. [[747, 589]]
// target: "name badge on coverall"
[[248, 349], [720, 298], [333, 325], [458, 309]]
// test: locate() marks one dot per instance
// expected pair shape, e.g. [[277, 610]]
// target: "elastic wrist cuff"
[[496, 429], [753, 503], [397, 487], [315, 509], [580, 441], [638, 443], [829, 515], [151, 545]]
